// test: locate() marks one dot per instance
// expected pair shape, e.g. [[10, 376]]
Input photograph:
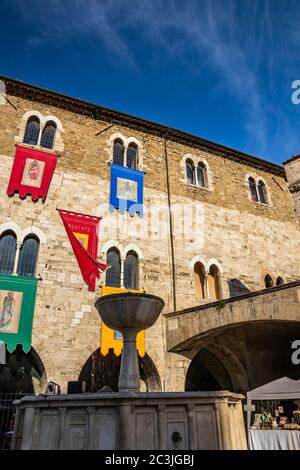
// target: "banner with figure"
[[17, 301], [31, 173], [82, 230], [126, 190]]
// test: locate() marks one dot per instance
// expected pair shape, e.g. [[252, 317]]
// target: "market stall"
[[273, 416]]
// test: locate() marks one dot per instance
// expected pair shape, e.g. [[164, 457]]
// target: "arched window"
[[201, 175], [213, 283], [253, 190], [268, 281], [118, 153], [132, 156], [279, 281], [113, 273], [32, 131], [28, 256], [262, 192], [131, 271], [48, 135], [8, 246], [190, 172], [199, 280]]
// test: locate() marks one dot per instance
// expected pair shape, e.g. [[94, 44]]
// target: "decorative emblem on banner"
[[17, 300], [111, 339], [82, 231], [31, 173], [126, 190]]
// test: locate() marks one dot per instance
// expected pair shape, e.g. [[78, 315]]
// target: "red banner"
[[82, 231], [31, 173]]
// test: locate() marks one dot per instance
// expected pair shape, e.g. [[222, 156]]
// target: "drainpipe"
[[170, 223]]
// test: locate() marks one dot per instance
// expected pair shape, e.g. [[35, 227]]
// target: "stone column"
[[192, 433], [62, 428], [223, 411], [28, 426], [18, 247], [91, 427], [162, 432], [127, 428]]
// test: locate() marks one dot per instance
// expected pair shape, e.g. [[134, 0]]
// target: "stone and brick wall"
[[243, 238]]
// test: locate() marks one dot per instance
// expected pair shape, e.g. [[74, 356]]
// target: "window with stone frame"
[[32, 131], [131, 271], [113, 272], [8, 247], [190, 172], [253, 189], [28, 256], [262, 192], [132, 156], [201, 175], [118, 152], [48, 135]]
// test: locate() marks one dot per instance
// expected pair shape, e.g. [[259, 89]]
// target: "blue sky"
[[220, 69]]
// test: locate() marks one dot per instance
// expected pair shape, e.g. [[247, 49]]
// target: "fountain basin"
[[136, 311]]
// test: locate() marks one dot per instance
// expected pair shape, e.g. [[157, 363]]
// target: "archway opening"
[[100, 371], [199, 280], [213, 282], [23, 373], [207, 373]]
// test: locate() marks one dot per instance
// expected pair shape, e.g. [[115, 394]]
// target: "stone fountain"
[[129, 313], [129, 419]]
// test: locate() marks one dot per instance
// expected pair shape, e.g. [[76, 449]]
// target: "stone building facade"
[[195, 243]]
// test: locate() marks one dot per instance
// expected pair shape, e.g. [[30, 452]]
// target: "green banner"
[[17, 300]]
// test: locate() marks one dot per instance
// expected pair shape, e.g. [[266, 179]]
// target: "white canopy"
[[280, 389]]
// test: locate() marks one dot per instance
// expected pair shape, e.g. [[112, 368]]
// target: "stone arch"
[[133, 247], [207, 372], [235, 368], [197, 259], [42, 350], [14, 228], [113, 244], [35, 231], [268, 274], [214, 261]]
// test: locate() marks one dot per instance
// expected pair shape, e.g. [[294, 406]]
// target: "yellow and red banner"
[[82, 231], [110, 339]]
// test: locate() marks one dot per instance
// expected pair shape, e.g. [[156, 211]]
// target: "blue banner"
[[126, 190]]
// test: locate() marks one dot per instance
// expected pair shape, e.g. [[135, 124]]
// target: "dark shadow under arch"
[[100, 370], [207, 373], [22, 373]]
